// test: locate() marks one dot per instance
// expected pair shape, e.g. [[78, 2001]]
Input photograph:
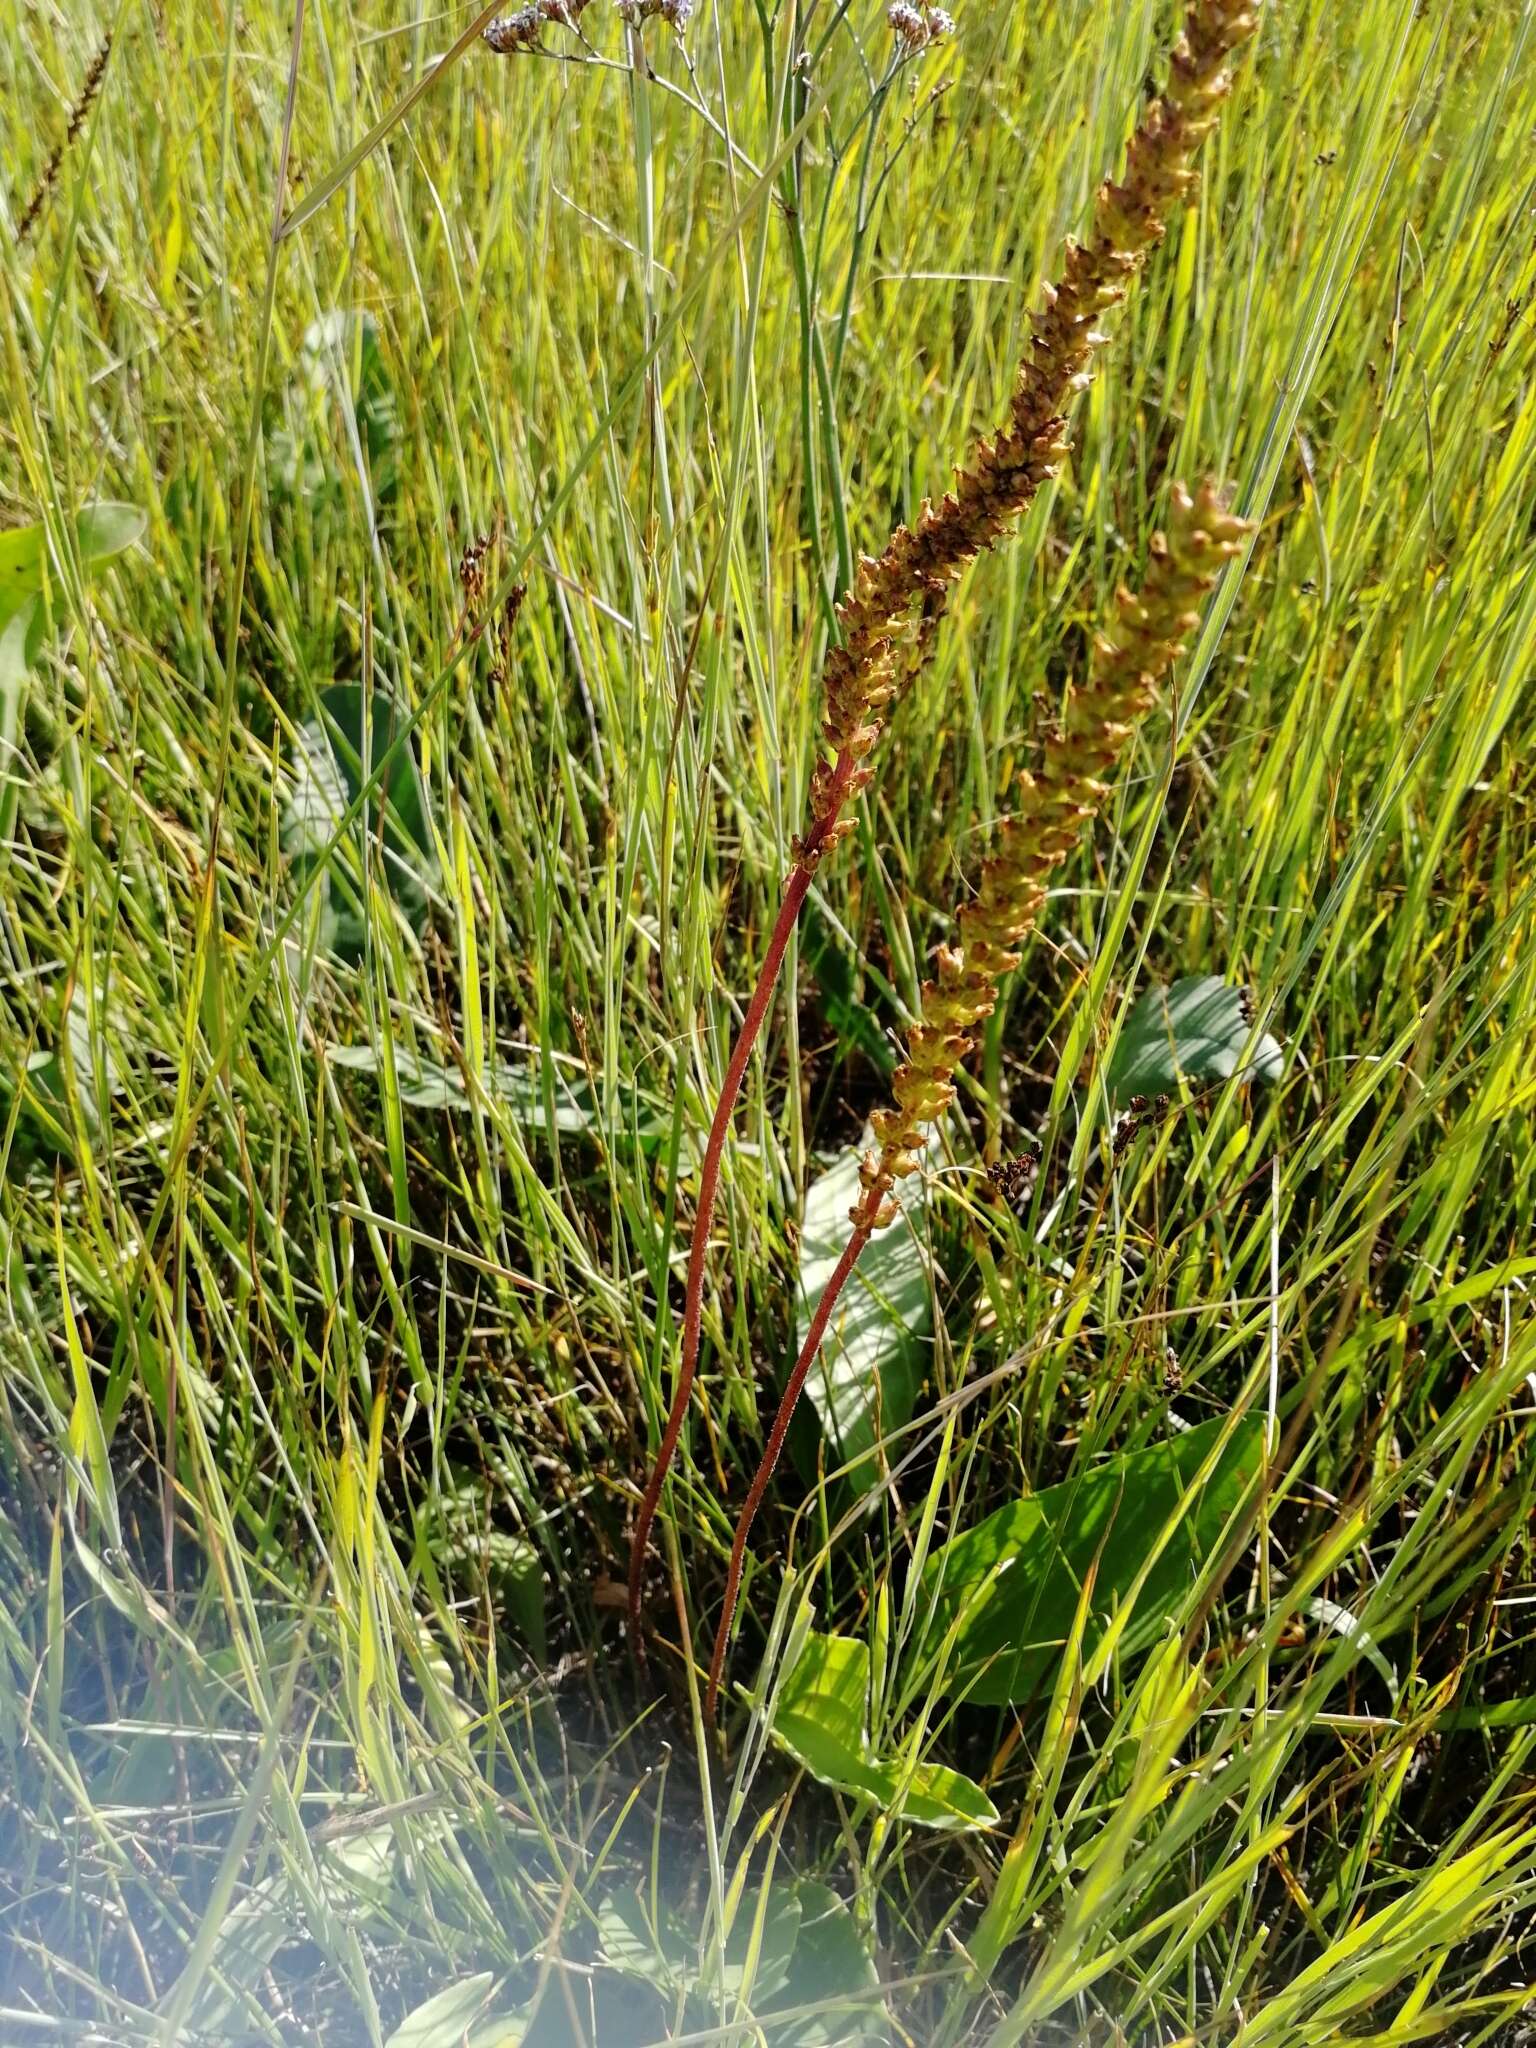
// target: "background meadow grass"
[[341, 1204]]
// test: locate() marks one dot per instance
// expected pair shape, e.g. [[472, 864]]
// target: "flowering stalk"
[[887, 620], [48, 177], [1054, 806]]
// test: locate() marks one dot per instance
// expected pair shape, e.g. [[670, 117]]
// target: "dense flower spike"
[[920, 562], [1055, 804], [888, 620], [48, 178], [1149, 635]]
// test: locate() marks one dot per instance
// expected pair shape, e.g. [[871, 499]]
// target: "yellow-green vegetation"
[[429, 474]]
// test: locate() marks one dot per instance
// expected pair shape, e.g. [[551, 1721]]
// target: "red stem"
[[807, 854], [709, 1183], [776, 1435]]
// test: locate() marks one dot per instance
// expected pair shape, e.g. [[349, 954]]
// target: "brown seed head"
[[881, 649], [1149, 633]]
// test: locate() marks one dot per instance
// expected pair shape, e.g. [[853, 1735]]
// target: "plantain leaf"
[[872, 1363], [842, 1003], [833, 1969], [21, 642], [101, 531], [516, 1573], [447, 2018], [1013, 1582], [819, 1717], [337, 754], [107, 529], [1198, 1030], [426, 1083], [666, 1954]]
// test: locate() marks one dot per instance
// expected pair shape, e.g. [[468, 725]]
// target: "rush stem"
[[795, 892], [775, 1445]]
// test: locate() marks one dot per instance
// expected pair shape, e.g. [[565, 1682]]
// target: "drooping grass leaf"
[[1017, 1576], [820, 1718], [871, 1365], [1196, 1030]]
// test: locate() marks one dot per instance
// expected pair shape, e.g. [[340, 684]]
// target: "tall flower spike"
[[1055, 804], [890, 617], [920, 562]]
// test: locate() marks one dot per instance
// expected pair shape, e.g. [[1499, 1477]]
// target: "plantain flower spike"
[[1054, 805], [920, 562]]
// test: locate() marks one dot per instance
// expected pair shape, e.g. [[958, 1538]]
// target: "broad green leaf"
[[340, 366], [426, 1083], [355, 1879], [1196, 1031], [342, 351], [937, 1797], [819, 1717], [516, 1575], [833, 1968], [336, 755], [510, 1565], [842, 1003], [107, 529], [447, 2018], [667, 1954], [101, 531], [72, 1066], [866, 1380], [87, 1436], [505, 2030], [21, 642], [820, 1713], [251, 1934], [22, 552], [1036, 1554], [657, 1954]]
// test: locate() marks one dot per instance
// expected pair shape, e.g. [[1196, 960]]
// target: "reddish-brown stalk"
[[773, 1447], [1055, 805], [912, 576]]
